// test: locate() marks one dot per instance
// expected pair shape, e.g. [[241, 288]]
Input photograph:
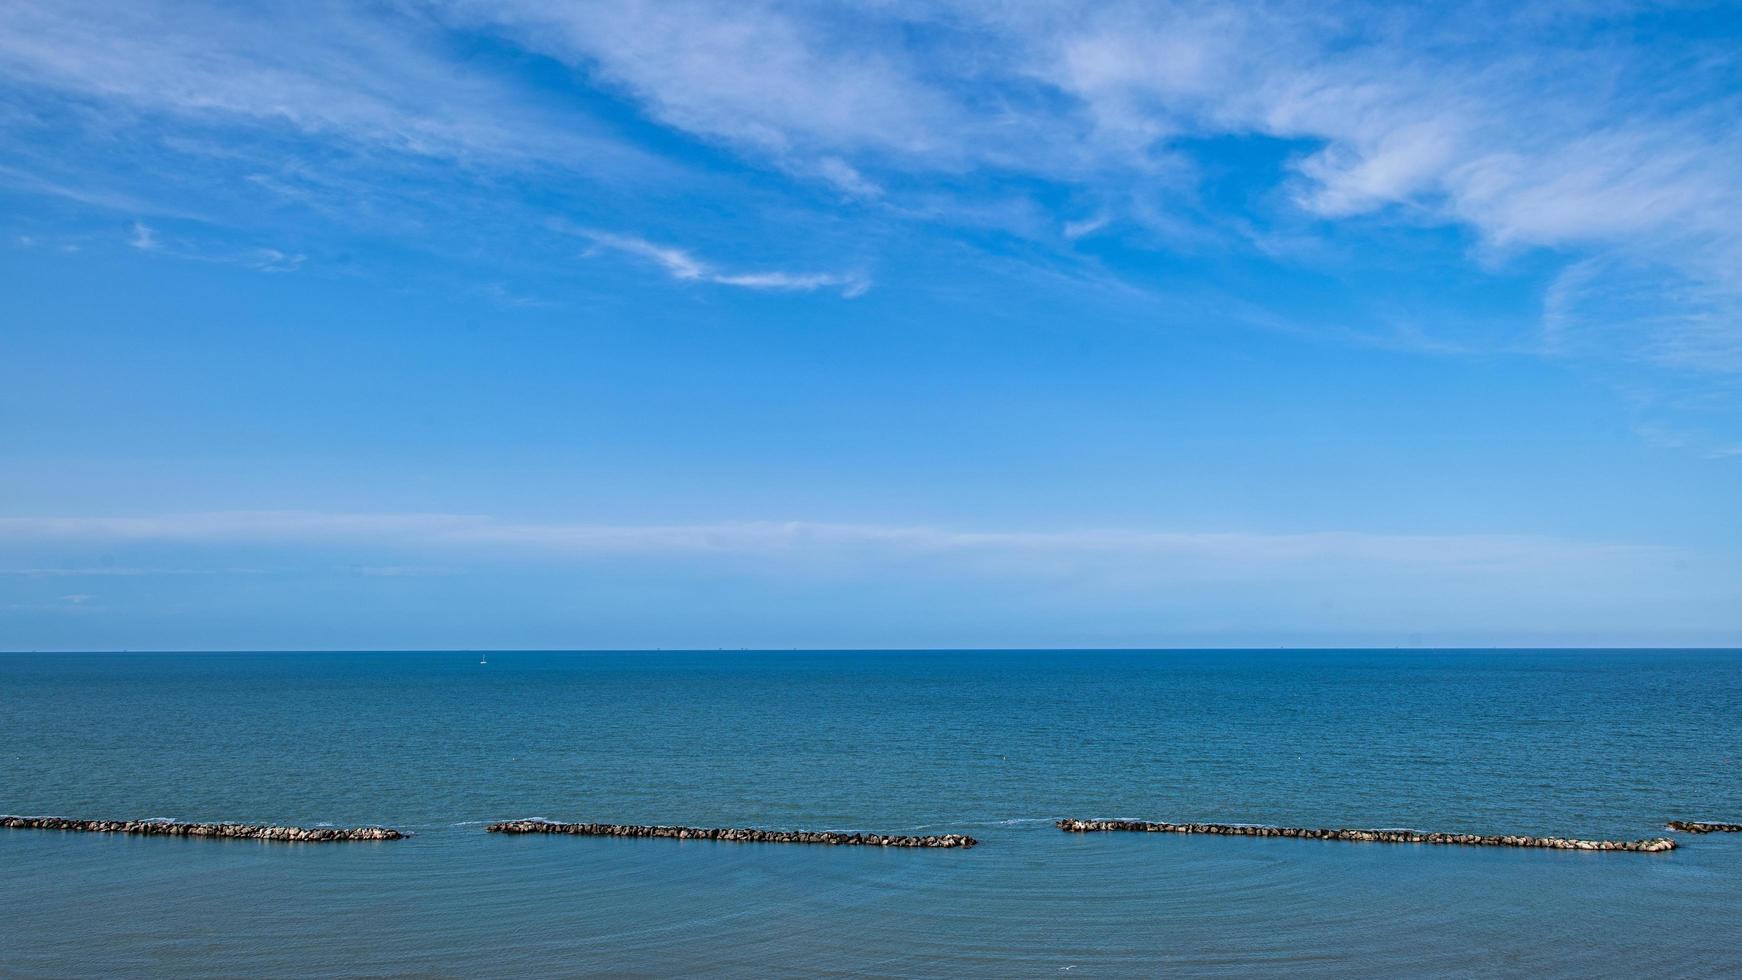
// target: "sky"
[[441, 324]]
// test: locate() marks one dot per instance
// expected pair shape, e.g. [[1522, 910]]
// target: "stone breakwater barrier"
[[742, 834], [1380, 836], [173, 828], [1700, 827]]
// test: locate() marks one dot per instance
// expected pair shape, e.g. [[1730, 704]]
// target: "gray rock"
[[171, 828], [1653, 845], [743, 834], [1701, 827]]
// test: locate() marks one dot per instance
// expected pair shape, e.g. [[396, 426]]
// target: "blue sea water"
[[994, 744]]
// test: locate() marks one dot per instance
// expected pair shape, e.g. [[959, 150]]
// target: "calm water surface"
[[993, 744]]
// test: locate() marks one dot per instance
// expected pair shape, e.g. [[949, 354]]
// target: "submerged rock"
[[1701, 827], [742, 834], [173, 828], [1380, 836]]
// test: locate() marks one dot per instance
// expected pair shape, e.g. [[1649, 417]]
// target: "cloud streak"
[[1256, 550], [1531, 130], [686, 267], [1565, 134], [785, 583], [326, 71]]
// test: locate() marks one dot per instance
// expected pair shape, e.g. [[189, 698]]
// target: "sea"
[[996, 744]]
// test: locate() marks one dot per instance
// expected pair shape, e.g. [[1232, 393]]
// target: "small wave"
[[1000, 821], [982, 822]]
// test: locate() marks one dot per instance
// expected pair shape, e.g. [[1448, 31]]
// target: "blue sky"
[[693, 324]]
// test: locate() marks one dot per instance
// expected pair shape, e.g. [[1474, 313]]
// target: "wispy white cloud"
[[847, 178], [1563, 132], [1255, 550], [1532, 131], [1142, 583], [323, 69], [235, 525], [103, 198], [1086, 226], [272, 260], [121, 571], [143, 237], [752, 74], [682, 265]]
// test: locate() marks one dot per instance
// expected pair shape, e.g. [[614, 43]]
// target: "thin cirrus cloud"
[[1559, 129], [1141, 584], [328, 71], [261, 259], [1531, 129], [1552, 149], [143, 239], [682, 265], [1405, 112], [454, 531]]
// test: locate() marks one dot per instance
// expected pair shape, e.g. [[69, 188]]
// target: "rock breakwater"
[[741, 834], [173, 828], [1653, 845], [1701, 827]]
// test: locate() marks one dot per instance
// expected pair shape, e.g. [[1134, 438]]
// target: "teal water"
[[993, 744]]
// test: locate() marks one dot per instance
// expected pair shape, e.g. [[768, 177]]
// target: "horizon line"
[[1551, 648]]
